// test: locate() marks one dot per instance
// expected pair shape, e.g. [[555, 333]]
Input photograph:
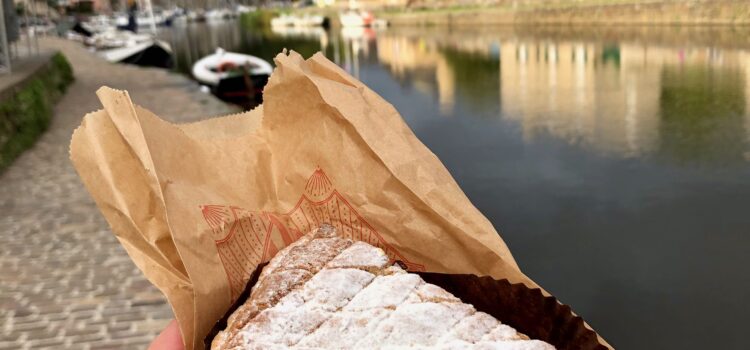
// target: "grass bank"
[[26, 111]]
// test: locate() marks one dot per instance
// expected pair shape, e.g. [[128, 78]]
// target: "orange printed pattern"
[[247, 238]]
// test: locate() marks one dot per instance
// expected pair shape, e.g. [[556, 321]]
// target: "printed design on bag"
[[246, 238]]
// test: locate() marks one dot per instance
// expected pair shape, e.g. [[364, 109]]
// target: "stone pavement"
[[65, 281]]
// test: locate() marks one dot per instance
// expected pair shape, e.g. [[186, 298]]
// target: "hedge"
[[26, 113]]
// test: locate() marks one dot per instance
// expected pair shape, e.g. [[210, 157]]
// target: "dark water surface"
[[614, 162]]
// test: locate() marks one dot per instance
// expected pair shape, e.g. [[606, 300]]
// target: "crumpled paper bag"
[[199, 206]]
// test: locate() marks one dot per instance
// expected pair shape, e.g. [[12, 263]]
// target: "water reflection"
[[575, 92], [414, 59], [619, 98], [313, 33], [628, 99]]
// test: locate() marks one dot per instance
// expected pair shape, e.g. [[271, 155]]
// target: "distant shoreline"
[[717, 12]]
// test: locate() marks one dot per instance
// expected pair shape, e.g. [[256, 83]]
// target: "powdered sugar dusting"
[[503, 332], [345, 329], [423, 323], [384, 292], [331, 289], [360, 255], [471, 329], [327, 292], [285, 323]]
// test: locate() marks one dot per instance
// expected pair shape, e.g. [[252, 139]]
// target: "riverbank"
[[82, 291], [634, 12], [561, 12]]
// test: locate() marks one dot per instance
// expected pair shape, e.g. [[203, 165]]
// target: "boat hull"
[[153, 56], [240, 89], [148, 54]]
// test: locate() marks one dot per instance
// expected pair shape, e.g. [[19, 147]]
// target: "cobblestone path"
[[65, 281]]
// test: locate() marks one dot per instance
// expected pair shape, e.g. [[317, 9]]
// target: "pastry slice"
[[329, 292]]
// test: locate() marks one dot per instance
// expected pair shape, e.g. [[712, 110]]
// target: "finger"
[[169, 339]]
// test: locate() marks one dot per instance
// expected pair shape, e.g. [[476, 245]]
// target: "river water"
[[615, 162]]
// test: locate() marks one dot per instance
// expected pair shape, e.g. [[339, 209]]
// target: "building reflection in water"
[[313, 33], [613, 97], [627, 98], [422, 63], [567, 90]]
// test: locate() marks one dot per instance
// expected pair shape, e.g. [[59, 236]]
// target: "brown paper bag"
[[199, 206]]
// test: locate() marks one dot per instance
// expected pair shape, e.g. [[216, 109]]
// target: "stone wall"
[[585, 12]]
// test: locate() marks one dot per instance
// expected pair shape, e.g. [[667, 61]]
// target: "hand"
[[169, 339]]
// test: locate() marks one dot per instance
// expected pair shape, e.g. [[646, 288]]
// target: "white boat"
[[216, 15], [113, 38], [144, 20], [299, 21], [311, 21], [210, 70], [98, 24], [283, 21], [300, 32], [355, 19], [151, 53], [196, 16], [360, 19], [245, 9], [121, 20]]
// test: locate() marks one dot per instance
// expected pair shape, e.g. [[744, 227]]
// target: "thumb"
[[169, 339]]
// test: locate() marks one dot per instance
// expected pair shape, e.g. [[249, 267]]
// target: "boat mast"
[[5, 55], [150, 11]]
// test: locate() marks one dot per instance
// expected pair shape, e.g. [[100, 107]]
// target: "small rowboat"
[[210, 70], [233, 75]]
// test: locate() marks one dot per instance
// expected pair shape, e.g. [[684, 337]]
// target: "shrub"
[[26, 114]]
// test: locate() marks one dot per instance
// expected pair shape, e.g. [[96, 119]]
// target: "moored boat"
[[98, 24], [240, 9], [216, 15], [285, 20], [313, 21], [233, 75], [114, 38], [144, 20], [196, 16], [353, 18], [150, 52]]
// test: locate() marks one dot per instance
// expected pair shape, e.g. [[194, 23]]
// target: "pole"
[[4, 41], [150, 11], [36, 18], [47, 20], [28, 27]]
